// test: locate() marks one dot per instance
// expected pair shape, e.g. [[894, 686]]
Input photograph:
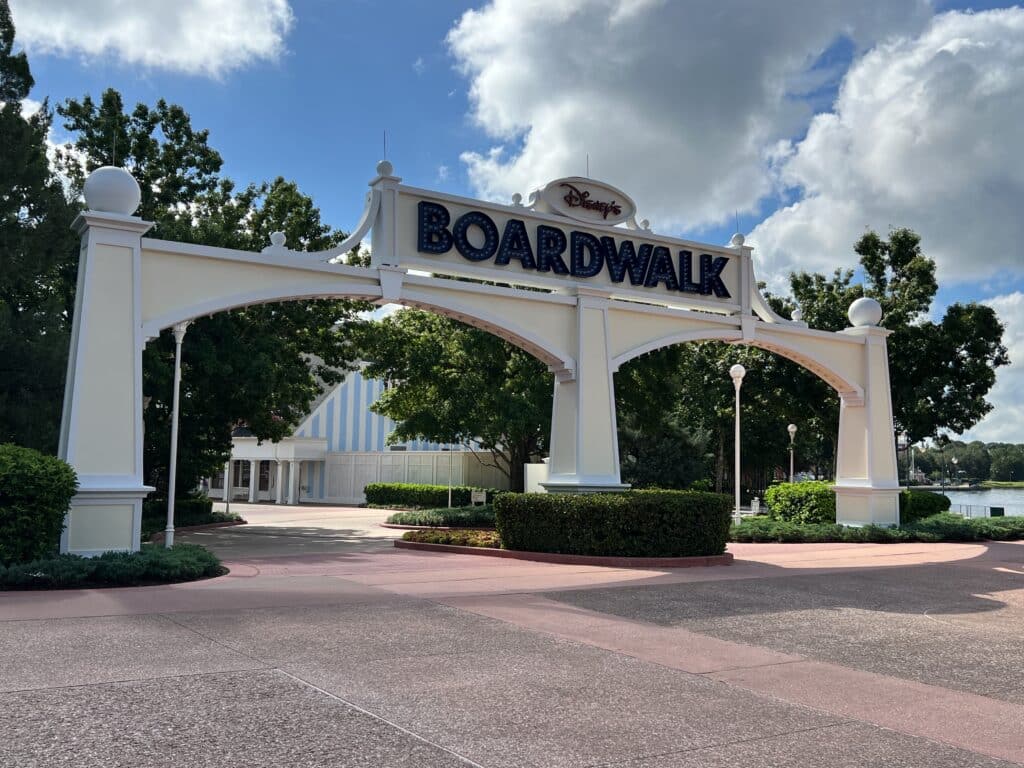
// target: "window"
[[264, 475], [217, 481], [242, 474]]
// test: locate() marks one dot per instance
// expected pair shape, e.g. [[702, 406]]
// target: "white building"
[[341, 447]]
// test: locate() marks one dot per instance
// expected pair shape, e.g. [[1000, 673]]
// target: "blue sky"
[[810, 120]]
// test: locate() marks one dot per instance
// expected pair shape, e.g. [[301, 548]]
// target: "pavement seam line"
[[121, 681], [381, 719], [751, 740]]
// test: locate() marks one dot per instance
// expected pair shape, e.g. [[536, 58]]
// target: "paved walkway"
[[325, 646]]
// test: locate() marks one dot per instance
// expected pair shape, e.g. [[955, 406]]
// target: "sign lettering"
[[476, 238]]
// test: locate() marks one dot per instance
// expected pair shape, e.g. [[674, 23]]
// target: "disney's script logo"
[[578, 198]]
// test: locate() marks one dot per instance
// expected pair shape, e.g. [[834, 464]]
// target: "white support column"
[[584, 437], [254, 478], [293, 481], [279, 486], [867, 481], [227, 481], [101, 425]]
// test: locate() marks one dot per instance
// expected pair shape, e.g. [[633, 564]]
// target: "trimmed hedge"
[[941, 527], [151, 565], [487, 539], [632, 524], [811, 501], [481, 516], [191, 510], [35, 493], [916, 505], [422, 496]]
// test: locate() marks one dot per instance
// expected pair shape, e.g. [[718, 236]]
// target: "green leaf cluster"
[[940, 527], [487, 539], [644, 523], [807, 502], [421, 496], [35, 493], [480, 516], [151, 565]]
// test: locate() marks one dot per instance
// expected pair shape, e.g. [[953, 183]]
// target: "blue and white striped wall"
[[345, 420]]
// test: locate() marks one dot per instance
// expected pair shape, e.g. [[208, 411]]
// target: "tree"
[[35, 240], [942, 371], [450, 383], [260, 366], [1007, 462]]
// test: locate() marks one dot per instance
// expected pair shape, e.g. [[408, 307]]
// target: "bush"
[[941, 527], [481, 516], [488, 539], [812, 501], [916, 505], [421, 496], [35, 493], [191, 510], [631, 524], [151, 565]]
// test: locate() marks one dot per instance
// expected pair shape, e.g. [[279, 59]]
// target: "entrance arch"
[[572, 278]]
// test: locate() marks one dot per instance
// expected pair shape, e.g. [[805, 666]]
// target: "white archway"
[[575, 280]]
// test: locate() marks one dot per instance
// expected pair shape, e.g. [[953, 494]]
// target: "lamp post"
[[954, 475], [792, 435], [904, 444], [179, 336], [737, 372]]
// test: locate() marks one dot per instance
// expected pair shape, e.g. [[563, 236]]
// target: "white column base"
[[580, 484], [858, 506], [104, 519]]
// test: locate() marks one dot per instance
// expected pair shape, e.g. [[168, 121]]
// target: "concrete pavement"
[[325, 646]]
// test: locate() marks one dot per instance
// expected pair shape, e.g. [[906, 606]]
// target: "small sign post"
[[477, 497]]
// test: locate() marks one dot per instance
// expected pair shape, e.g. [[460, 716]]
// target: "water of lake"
[[971, 502]]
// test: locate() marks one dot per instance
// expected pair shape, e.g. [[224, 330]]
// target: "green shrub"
[[421, 496], [481, 516], [916, 505], [191, 510], [631, 524], [35, 493], [941, 527], [812, 501], [488, 539], [151, 565]]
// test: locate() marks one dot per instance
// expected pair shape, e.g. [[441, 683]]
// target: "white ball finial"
[[277, 239], [737, 240], [112, 190], [737, 372], [797, 315], [385, 168], [865, 312], [517, 199]]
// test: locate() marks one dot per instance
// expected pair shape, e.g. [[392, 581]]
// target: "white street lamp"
[[792, 434], [955, 474], [179, 336], [737, 372]]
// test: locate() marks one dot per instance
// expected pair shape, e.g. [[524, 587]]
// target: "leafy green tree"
[[35, 240], [1007, 462], [450, 383], [941, 371], [260, 366]]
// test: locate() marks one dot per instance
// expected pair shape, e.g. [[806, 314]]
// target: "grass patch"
[[151, 565], [1002, 484], [941, 527], [457, 517], [488, 539]]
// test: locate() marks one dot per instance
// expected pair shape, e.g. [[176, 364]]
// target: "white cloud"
[[442, 173], [418, 66], [677, 103], [196, 37], [925, 133], [1004, 422]]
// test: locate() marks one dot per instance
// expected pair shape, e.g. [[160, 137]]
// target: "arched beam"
[[558, 360], [722, 334]]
